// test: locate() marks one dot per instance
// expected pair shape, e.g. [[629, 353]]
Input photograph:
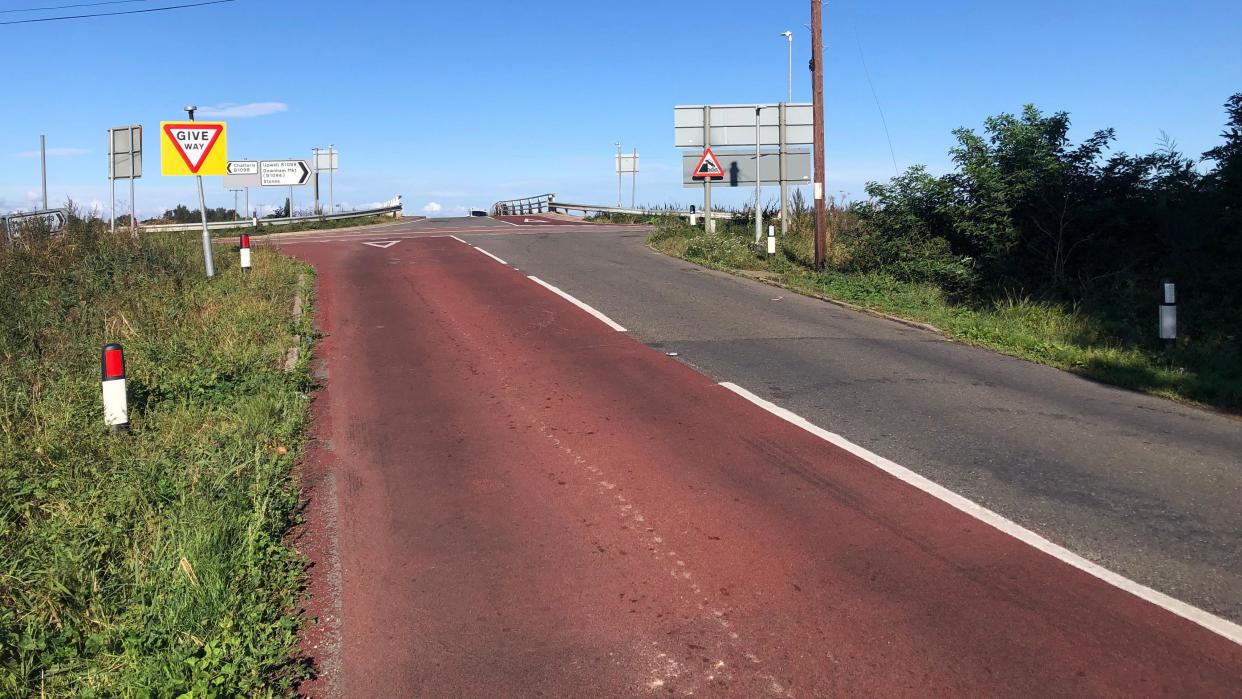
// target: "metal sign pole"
[[133, 170], [43, 166], [784, 174], [202, 210], [758, 181], [247, 202], [708, 222], [618, 175], [634, 180], [112, 177], [331, 172], [315, 153], [290, 201]]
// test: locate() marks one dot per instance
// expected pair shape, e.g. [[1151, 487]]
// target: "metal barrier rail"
[[539, 204], [557, 206], [394, 211]]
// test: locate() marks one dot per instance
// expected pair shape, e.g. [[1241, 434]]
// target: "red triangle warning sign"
[[708, 166], [193, 141]]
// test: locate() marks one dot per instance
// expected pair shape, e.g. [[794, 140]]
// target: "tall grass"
[[151, 563]]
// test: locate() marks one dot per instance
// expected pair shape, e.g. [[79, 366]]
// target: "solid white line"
[[606, 320], [459, 240], [1207, 620], [476, 247]]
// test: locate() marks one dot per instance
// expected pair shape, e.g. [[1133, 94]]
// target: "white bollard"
[[245, 252], [115, 399], [771, 240], [1168, 311]]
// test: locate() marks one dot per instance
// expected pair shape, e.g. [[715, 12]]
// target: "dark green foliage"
[[182, 214], [1028, 211]]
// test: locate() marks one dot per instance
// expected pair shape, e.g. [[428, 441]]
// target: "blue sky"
[[461, 104]]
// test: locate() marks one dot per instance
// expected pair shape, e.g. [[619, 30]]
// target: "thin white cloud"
[[54, 152], [432, 208], [229, 110]]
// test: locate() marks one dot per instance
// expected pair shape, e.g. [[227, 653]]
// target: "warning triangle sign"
[[708, 166], [193, 141]]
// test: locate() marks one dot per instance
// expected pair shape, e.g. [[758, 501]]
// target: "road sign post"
[[195, 148], [709, 223], [125, 162]]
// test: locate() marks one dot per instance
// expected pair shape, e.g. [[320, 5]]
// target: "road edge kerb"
[[1222, 627], [291, 354], [944, 336]]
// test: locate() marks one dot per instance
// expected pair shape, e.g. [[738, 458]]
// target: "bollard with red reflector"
[[245, 252], [115, 400]]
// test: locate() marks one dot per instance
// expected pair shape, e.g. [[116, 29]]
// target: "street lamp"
[[789, 38]]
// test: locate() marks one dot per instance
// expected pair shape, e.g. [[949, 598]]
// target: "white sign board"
[[242, 174], [125, 152], [326, 160], [627, 163], [284, 173], [734, 125]]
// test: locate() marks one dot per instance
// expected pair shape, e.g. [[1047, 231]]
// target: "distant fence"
[[393, 210], [540, 204], [547, 203]]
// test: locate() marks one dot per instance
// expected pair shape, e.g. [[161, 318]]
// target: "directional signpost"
[[54, 219], [242, 174], [285, 173]]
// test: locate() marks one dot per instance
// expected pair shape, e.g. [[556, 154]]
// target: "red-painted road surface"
[[508, 499]]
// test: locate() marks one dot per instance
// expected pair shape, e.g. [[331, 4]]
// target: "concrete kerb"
[[291, 354]]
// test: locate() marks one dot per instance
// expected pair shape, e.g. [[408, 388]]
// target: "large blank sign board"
[[734, 125]]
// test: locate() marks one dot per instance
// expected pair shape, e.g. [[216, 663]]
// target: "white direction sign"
[[284, 173], [242, 174]]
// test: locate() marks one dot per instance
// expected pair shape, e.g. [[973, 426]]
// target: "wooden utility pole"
[[817, 91]]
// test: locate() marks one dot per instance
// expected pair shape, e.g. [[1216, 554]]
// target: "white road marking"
[[476, 247], [1207, 620], [381, 244], [459, 240], [606, 320]]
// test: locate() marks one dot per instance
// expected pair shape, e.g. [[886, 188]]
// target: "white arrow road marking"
[[533, 220], [382, 244]]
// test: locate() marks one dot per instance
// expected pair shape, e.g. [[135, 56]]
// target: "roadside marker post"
[[245, 252], [771, 240], [115, 400], [1168, 312]]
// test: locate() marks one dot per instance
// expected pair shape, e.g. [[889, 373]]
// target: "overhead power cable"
[[112, 14], [66, 7]]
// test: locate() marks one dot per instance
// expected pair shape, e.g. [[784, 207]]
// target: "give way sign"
[[193, 148]]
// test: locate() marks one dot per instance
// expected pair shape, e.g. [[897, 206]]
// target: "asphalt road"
[[1145, 487], [508, 498]]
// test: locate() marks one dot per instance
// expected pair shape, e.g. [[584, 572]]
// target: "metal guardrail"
[[539, 204], [557, 206], [394, 211]]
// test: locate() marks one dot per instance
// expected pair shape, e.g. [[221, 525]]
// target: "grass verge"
[[1068, 338], [151, 563]]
